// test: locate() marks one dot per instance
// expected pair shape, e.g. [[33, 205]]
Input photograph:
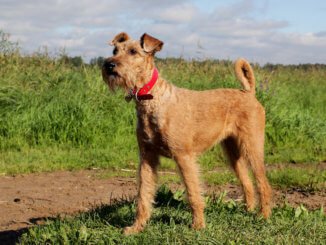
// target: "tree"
[[76, 61], [97, 61]]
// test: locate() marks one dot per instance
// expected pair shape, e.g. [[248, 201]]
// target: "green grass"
[[227, 223], [305, 179], [54, 115]]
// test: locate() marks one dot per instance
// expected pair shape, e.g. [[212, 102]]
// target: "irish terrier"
[[181, 124]]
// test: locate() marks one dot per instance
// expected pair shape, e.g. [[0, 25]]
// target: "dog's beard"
[[115, 81], [112, 82]]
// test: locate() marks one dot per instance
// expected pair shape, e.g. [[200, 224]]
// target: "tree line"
[[8, 47]]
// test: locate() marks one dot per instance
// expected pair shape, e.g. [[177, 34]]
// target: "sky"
[[262, 31]]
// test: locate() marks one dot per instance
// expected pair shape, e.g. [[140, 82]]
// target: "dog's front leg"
[[147, 177]]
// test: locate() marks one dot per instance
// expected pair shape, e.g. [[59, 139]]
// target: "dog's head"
[[132, 62]]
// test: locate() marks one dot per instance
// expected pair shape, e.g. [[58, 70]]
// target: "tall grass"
[[50, 111], [54, 115]]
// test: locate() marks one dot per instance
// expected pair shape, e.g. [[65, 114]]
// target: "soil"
[[28, 200]]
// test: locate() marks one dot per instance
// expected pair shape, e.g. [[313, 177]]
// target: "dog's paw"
[[198, 225], [130, 230], [251, 207], [266, 212]]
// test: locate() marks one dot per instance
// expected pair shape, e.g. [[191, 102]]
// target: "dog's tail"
[[245, 75]]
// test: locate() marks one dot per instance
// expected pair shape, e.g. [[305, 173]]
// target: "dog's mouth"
[[108, 69], [111, 78], [112, 74], [109, 74]]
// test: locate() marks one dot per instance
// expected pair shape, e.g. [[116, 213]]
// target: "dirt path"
[[26, 200]]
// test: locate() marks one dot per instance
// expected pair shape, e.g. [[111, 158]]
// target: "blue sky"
[[276, 31]]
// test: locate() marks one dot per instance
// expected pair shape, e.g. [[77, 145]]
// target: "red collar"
[[143, 93]]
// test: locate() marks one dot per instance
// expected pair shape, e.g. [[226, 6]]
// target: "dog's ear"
[[150, 44], [120, 38]]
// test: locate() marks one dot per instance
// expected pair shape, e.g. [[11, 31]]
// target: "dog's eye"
[[132, 51], [115, 51]]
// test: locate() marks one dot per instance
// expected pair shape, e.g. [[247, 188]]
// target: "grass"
[[304, 178], [58, 116], [46, 122], [227, 223]]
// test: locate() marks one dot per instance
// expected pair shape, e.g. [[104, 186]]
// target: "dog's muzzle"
[[108, 67]]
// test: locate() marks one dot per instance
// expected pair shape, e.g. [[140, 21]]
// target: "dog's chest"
[[151, 133]]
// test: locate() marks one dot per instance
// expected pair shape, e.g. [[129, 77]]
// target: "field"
[[58, 116]]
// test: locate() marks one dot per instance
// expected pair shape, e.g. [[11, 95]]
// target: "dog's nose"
[[109, 66]]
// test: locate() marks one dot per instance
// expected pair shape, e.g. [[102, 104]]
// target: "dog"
[[181, 124]]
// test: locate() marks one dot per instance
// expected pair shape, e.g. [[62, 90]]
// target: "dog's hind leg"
[[190, 174], [239, 164], [253, 146], [264, 189]]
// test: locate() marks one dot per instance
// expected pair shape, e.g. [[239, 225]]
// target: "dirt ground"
[[27, 200]]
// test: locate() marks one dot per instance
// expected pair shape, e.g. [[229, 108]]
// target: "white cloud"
[[226, 31], [178, 14]]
